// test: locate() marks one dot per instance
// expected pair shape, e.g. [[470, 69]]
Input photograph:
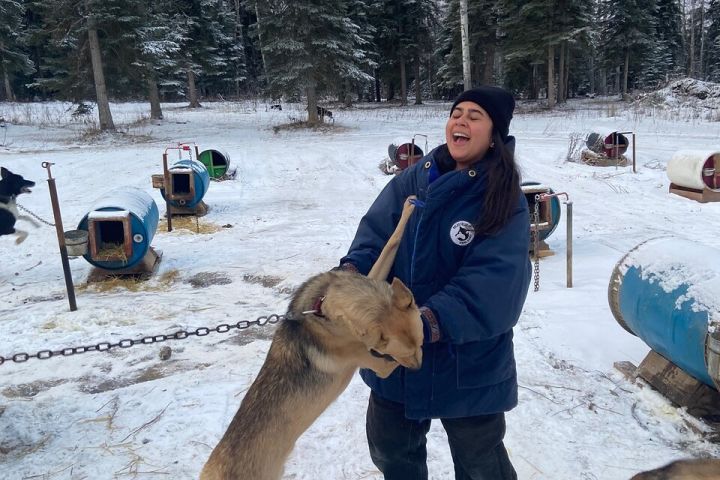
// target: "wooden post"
[[61, 238], [168, 191]]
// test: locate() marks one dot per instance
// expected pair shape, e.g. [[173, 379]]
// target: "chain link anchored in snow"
[[127, 343]]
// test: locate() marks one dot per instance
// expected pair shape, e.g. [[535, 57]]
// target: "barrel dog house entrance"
[[695, 174], [120, 227], [184, 184]]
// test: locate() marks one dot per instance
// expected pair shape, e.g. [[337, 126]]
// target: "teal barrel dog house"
[[548, 210], [187, 184], [666, 291], [121, 225]]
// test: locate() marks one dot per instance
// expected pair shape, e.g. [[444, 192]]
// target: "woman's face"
[[468, 133]]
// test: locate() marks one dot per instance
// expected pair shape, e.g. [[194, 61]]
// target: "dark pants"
[[397, 444]]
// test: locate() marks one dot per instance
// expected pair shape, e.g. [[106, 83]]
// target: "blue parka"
[[474, 284]]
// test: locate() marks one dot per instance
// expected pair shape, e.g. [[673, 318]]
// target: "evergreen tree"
[[14, 59], [628, 34], [713, 41], [208, 46], [308, 45], [666, 56]]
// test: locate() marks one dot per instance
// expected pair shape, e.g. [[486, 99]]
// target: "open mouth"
[[460, 138], [25, 189]]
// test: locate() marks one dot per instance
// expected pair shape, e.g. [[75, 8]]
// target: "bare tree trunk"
[[561, 74], [192, 89], [534, 82], [488, 76], [465, 39], [347, 101], [313, 117], [238, 40], [9, 94], [691, 68], [418, 80], [260, 41], [104, 114], [625, 73], [566, 73], [701, 60], [603, 81], [403, 83], [551, 98], [154, 97], [378, 99], [591, 69]]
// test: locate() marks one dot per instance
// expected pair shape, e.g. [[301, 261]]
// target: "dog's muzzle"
[[385, 356]]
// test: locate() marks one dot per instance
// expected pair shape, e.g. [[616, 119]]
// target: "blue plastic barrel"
[[121, 225], [549, 213], [183, 195], [666, 291]]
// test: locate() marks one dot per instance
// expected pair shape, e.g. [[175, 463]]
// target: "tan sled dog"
[[338, 322], [697, 469]]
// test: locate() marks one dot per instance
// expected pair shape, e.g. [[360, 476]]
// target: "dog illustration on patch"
[[12, 185]]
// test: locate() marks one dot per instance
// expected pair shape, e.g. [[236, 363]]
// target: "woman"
[[464, 255]]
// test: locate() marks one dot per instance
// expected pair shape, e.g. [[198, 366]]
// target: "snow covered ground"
[[293, 209]]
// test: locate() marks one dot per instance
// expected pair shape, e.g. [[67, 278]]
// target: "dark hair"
[[503, 188]]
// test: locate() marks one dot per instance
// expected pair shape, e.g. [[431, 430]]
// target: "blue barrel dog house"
[[548, 211], [121, 225], [666, 291], [187, 185]]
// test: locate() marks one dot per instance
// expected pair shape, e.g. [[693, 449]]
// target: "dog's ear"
[[4, 172], [402, 296]]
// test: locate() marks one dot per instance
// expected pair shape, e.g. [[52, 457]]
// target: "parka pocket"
[[486, 362]]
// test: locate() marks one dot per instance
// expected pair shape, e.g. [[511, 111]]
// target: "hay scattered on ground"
[[188, 224], [599, 160], [132, 283]]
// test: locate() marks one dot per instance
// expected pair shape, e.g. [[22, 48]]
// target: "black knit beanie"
[[497, 102]]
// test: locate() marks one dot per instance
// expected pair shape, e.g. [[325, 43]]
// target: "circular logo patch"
[[462, 233]]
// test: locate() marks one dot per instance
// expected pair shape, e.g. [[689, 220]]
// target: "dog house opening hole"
[[110, 239], [181, 183]]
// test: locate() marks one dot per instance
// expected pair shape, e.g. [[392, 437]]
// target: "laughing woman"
[[464, 255]]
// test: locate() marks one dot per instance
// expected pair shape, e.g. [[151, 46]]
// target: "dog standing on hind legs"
[[12, 185], [337, 322]]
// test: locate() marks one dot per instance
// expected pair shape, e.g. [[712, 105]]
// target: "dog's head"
[[13, 184], [384, 318]]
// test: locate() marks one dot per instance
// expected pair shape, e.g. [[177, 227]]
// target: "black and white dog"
[[324, 112], [12, 185]]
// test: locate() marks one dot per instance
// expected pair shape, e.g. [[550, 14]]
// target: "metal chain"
[[536, 243], [127, 343], [32, 214]]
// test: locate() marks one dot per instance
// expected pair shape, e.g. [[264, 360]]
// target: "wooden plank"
[[678, 386]]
